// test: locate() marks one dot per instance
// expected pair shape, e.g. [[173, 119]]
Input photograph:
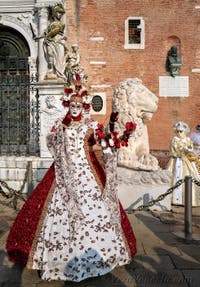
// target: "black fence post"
[[188, 207], [29, 178]]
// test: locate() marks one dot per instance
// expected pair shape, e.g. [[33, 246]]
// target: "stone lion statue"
[[134, 102]]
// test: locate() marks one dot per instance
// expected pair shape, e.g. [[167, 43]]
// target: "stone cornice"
[[14, 8], [16, 21], [46, 3]]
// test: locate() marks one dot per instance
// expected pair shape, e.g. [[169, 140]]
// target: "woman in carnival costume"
[[182, 163], [73, 226]]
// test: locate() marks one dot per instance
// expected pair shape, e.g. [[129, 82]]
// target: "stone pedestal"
[[51, 109], [136, 188], [13, 170]]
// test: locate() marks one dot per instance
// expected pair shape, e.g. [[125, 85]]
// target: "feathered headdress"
[[77, 92]]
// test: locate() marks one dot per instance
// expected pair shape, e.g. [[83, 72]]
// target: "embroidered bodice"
[[74, 137], [180, 146]]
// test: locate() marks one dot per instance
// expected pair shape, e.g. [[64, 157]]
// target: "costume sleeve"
[[173, 147], [189, 146], [54, 138]]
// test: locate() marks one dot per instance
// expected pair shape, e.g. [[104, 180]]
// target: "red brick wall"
[[163, 19]]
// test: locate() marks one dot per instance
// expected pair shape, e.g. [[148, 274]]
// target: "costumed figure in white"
[[182, 163], [80, 227]]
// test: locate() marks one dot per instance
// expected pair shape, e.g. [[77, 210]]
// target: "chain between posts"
[[162, 196], [159, 198], [13, 193], [17, 194], [196, 181]]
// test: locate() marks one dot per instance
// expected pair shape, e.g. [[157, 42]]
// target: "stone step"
[[13, 170], [16, 174], [21, 162]]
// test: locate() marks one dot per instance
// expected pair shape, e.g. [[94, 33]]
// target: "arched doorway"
[[15, 105]]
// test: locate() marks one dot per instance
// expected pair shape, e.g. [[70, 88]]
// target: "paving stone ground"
[[164, 257]]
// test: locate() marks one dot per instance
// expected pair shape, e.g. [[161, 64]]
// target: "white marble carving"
[[174, 87], [51, 110], [54, 45], [135, 103], [73, 66]]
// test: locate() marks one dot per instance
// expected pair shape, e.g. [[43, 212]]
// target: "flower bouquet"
[[107, 138]]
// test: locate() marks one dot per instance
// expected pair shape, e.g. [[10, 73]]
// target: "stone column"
[[42, 25]]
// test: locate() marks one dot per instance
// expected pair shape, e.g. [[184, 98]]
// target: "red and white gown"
[[72, 226]]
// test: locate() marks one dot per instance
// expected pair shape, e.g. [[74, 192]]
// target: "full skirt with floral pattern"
[[72, 232]]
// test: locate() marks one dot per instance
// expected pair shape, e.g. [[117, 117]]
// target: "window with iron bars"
[[19, 115], [134, 33]]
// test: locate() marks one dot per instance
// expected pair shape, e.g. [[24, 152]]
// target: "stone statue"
[[73, 66], [135, 103], [173, 62], [54, 44]]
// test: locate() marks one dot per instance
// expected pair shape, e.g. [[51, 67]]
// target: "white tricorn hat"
[[181, 126]]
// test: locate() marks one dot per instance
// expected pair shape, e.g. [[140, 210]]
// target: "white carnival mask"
[[75, 108]]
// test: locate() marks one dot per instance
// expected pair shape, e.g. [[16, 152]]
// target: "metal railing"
[[19, 113], [13, 194], [162, 196], [188, 180], [188, 207]]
